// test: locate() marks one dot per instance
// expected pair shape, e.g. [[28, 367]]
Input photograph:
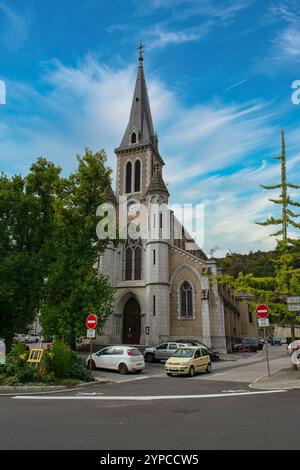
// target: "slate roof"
[[157, 184], [140, 118]]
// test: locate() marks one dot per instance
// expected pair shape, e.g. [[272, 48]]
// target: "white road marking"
[[219, 373], [143, 377], [148, 398]]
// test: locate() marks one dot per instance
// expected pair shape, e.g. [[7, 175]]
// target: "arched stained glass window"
[[138, 263], [128, 264], [128, 177], [186, 297], [137, 176]]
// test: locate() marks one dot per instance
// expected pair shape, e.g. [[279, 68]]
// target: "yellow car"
[[188, 360]]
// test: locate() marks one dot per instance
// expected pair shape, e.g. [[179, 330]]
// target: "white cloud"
[[285, 46], [14, 27], [160, 36], [288, 43], [214, 137]]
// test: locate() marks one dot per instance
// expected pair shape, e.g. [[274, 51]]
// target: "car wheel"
[[123, 369], [149, 357], [191, 371], [169, 375], [208, 368], [91, 365]]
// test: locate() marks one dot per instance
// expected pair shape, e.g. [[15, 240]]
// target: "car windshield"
[[184, 352]]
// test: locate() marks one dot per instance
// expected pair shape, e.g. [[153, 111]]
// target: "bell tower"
[[138, 152]]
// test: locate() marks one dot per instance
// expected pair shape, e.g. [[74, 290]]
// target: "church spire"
[[141, 58], [140, 130]]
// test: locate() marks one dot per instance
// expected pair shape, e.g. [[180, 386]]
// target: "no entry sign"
[[91, 322], [262, 311]]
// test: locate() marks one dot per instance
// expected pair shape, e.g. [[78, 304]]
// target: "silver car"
[[163, 351]]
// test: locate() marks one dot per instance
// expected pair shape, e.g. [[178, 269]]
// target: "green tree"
[[73, 286], [25, 227]]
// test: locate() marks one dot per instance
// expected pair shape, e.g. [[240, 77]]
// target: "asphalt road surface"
[[156, 412]]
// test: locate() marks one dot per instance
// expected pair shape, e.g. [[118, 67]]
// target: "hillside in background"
[[259, 263]]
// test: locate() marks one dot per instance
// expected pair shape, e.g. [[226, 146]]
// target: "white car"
[[122, 358], [296, 359], [32, 338], [20, 338], [293, 346]]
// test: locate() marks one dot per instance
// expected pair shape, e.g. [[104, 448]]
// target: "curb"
[[19, 390], [284, 386]]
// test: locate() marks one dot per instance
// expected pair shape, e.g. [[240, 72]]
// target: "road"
[[158, 412]]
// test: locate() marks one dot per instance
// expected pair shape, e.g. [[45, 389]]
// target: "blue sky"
[[219, 75]]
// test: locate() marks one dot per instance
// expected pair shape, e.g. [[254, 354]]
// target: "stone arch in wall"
[[130, 309], [185, 326]]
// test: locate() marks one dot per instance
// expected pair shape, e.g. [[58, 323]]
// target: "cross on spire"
[[140, 49]]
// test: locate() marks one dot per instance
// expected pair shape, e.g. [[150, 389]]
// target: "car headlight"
[[184, 364]]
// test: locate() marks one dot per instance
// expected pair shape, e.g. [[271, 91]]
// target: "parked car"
[[188, 360], [296, 359], [276, 341], [246, 345], [293, 346], [214, 354], [162, 351], [32, 338], [122, 358], [20, 338]]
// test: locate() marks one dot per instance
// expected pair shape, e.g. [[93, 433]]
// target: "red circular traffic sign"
[[262, 311], [91, 322]]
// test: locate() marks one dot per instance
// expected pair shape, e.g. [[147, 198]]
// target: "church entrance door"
[[132, 322]]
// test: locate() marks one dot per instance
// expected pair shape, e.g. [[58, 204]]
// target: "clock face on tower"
[[132, 208]]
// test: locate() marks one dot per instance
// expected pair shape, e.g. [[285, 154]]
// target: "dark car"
[[276, 341], [214, 354], [261, 343], [246, 345]]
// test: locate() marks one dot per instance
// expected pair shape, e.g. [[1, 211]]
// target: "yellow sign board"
[[35, 356]]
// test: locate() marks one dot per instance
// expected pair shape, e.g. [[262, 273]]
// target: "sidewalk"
[[284, 379]]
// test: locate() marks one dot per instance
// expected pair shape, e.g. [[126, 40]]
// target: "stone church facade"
[[162, 291]]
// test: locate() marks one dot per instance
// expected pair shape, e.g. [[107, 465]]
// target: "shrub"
[[59, 360], [58, 366], [78, 370], [17, 370]]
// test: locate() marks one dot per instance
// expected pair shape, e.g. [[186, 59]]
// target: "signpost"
[[263, 322], [294, 308], [293, 300], [91, 324], [262, 312], [91, 334]]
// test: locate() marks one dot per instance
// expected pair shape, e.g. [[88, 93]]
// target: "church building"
[[162, 288]]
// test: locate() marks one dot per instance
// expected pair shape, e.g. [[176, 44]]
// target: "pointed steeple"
[[157, 184], [140, 130]]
